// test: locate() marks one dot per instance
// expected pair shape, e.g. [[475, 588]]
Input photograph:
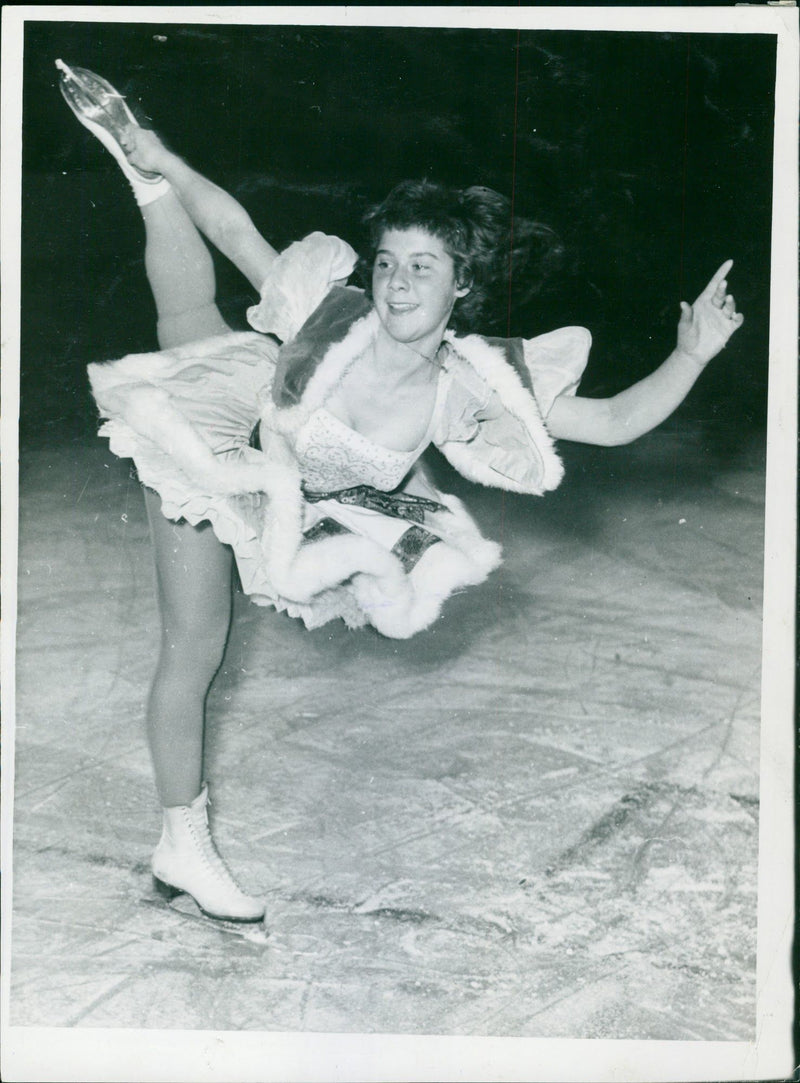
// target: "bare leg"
[[193, 576], [215, 213], [193, 568], [181, 275]]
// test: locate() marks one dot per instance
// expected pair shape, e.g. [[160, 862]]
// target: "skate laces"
[[214, 861]]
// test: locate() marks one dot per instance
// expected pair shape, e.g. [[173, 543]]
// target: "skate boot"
[[104, 112], [186, 861]]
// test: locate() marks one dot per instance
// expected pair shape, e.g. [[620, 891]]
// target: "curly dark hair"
[[490, 249]]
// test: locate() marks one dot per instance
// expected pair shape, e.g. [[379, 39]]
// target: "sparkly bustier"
[[332, 456]]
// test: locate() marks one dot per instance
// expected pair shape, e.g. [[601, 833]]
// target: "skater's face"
[[414, 287]]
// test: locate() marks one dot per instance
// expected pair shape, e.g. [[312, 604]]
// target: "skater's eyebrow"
[[412, 255]]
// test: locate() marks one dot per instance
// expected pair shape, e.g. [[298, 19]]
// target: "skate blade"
[[184, 906]]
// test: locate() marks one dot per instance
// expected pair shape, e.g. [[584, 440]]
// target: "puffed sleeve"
[[298, 281], [555, 362]]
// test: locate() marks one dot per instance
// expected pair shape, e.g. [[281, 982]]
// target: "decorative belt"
[[398, 505]]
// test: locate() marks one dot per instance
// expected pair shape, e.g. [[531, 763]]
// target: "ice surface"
[[537, 818]]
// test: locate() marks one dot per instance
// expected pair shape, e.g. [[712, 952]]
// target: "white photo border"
[[33, 1053]]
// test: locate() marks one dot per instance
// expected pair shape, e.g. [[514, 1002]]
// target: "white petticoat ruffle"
[[216, 385]]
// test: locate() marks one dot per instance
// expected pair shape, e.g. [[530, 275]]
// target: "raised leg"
[[151, 169], [181, 274], [215, 212]]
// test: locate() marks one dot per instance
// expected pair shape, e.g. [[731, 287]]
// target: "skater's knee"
[[199, 656], [177, 329], [196, 649]]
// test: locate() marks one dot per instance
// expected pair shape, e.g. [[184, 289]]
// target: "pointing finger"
[[718, 296], [718, 277]]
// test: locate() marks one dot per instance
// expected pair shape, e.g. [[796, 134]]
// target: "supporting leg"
[[193, 577], [193, 574]]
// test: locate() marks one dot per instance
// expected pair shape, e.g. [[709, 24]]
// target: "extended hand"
[[143, 148], [706, 326]]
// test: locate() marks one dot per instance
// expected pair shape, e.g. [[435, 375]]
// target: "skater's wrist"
[[146, 151]]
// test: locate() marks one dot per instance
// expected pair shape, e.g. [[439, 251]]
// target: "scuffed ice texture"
[[538, 818]]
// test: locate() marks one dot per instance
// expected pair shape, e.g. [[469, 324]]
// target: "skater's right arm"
[[215, 213]]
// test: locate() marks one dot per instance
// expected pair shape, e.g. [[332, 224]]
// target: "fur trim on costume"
[[490, 364], [464, 560], [300, 570], [320, 565], [338, 358], [417, 601], [350, 573], [396, 604], [541, 466]]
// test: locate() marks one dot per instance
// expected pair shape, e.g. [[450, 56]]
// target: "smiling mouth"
[[399, 307]]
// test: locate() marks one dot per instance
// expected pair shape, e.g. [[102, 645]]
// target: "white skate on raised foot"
[[103, 111]]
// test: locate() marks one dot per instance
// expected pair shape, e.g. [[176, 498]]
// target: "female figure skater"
[[295, 447]]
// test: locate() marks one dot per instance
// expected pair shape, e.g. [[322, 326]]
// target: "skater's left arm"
[[703, 330]]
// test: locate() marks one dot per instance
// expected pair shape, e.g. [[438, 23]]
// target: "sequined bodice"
[[331, 455]]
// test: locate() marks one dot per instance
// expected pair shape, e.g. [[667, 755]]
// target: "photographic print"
[[398, 456]]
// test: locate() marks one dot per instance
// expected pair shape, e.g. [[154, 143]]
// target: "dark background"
[[649, 154]]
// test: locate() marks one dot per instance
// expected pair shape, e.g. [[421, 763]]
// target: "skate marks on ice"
[[554, 954], [537, 820]]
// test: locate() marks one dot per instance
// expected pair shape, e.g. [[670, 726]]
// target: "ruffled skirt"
[[317, 560]]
